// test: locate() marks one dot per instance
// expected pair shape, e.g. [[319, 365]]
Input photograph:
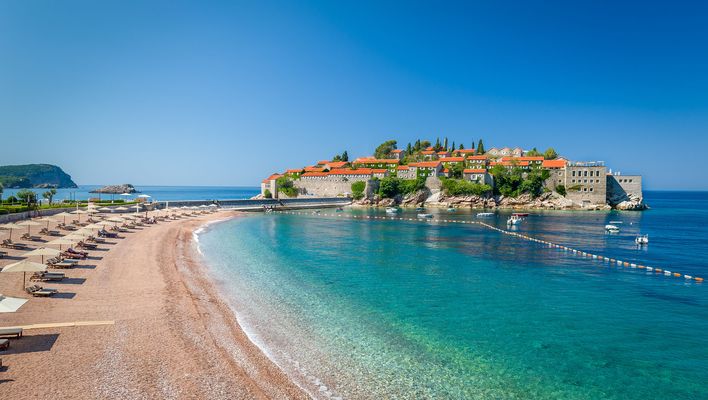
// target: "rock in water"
[[116, 189]]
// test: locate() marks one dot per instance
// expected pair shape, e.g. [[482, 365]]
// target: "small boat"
[[521, 215], [612, 228], [425, 215], [420, 208], [392, 210], [641, 239], [514, 220], [485, 215], [316, 212], [339, 209], [451, 209]]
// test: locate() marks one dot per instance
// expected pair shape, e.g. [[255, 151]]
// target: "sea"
[[372, 309], [156, 193]]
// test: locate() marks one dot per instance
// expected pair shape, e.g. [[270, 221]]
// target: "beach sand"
[[160, 328]]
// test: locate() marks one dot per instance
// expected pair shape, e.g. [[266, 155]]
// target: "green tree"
[[561, 190], [389, 187], [480, 147], [267, 194], [49, 195], [533, 153], [416, 146], [286, 186], [358, 190], [462, 146], [336, 158], [384, 150], [408, 186], [445, 144], [459, 187], [345, 156], [550, 154], [409, 149], [453, 146], [27, 196], [456, 171], [424, 144]]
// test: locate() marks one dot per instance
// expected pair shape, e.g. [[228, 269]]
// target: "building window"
[[591, 189], [630, 181], [573, 174]]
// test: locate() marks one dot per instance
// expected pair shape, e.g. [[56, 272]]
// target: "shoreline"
[[169, 333]]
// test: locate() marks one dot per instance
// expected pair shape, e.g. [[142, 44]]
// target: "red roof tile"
[[452, 159], [475, 171], [553, 163], [425, 164], [346, 171]]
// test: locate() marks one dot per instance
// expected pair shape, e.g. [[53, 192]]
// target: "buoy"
[[677, 274], [658, 269], [688, 276], [697, 279]]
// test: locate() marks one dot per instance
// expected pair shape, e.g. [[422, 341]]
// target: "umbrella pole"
[[24, 274]]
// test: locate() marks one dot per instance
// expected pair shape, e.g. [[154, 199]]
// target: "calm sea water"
[[391, 309], [158, 193]]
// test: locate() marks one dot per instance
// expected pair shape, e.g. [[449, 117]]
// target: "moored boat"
[[641, 239], [514, 220], [485, 215], [425, 215], [612, 228], [392, 210]]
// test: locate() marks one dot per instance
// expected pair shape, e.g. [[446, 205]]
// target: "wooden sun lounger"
[[4, 344], [39, 291], [47, 276], [30, 237], [17, 332]]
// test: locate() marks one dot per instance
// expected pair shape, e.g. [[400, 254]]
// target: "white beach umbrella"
[[62, 241], [62, 215], [42, 251], [24, 266], [10, 226], [10, 304]]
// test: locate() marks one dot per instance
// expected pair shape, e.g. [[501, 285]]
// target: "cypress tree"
[[445, 144], [480, 147]]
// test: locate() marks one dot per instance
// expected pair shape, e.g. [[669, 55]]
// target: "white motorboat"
[[485, 215], [514, 220], [612, 228], [392, 210], [425, 215], [641, 239], [451, 209]]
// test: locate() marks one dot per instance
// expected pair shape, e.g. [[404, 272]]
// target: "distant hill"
[[35, 176]]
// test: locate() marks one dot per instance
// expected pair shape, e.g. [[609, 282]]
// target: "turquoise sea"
[[399, 309], [158, 193]]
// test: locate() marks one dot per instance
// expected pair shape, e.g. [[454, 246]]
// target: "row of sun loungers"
[[7, 243], [39, 291]]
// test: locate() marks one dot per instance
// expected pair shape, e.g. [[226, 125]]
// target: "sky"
[[225, 93]]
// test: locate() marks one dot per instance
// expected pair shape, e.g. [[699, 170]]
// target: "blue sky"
[[224, 93]]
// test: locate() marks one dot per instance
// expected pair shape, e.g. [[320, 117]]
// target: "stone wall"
[[621, 187], [328, 187], [590, 181]]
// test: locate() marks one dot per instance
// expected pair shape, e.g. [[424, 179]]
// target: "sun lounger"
[[12, 245], [27, 236], [38, 291], [88, 246], [4, 344], [47, 276], [17, 332], [3, 254], [58, 263]]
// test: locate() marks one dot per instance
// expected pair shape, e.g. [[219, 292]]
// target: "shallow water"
[[373, 309], [158, 193]]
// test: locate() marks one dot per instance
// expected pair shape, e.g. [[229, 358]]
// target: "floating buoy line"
[[566, 249]]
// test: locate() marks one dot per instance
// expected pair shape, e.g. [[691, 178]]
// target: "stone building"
[[586, 182]]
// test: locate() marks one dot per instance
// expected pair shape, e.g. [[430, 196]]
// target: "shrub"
[[285, 186], [358, 190], [389, 187], [408, 186], [268, 194], [561, 190], [459, 187]]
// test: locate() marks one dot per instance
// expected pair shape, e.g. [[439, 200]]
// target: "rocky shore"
[[116, 189], [546, 201]]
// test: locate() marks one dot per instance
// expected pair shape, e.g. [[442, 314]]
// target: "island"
[[34, 176], [116, 189], [445, 175]]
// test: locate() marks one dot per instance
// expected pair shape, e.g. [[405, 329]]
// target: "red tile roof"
[[553, 163], [475, 171], [425, 164], [337, 164], [270, 178], [427, 152], [346, 171], [322, 162], [442, 152], [481, 157], [376, 161], [396, 151], [430, 148], [539, 158], [314, 169], [379, 171], [452, 159], [466, 151], [306, 174], [402, 168], [445, 170], [294, 171]]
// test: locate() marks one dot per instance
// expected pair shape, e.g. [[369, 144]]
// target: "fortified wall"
[[623, 187]]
